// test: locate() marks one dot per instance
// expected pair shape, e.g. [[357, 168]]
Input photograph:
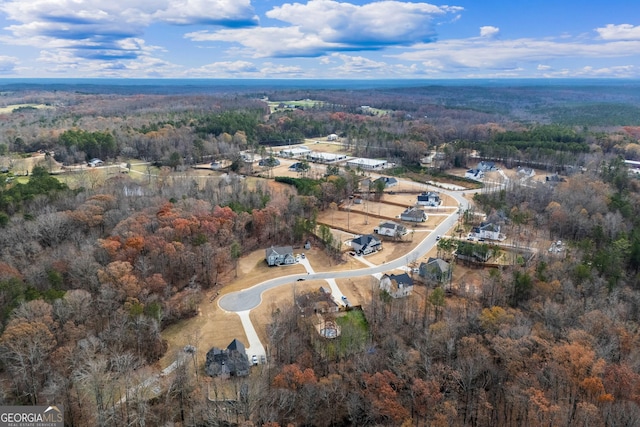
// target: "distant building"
[[435, 269], [554, 179], [320, 157], [487, 166], [232, 361], [367, 164], [413, 214], [298, 167], [397, 285], [429, 198], [270, 162], [332, 137], [388, 181], [475, 174], [279, 255], [366, 244], [488, 231], [526, 172], [95, 162], [295, 152], [391, 229]]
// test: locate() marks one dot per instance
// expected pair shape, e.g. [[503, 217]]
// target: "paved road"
[[248, 299]]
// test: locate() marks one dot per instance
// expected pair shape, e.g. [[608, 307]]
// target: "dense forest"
[[91, 274]]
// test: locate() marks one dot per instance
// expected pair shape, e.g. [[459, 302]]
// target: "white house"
[[526, 172], [413, 214], [388, 181], [475, 174], [488, 231], [367, 164], [391, 229], [279, 255], [321, 157], [294, 152], [429, 198], [366, 244], [332, 137], [397, 285], [487, 166]]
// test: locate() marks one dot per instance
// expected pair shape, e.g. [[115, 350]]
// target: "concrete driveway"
[[242, 302]]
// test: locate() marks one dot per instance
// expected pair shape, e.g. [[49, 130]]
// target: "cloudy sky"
[[353, 39]]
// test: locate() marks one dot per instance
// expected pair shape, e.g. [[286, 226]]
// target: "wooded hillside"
[[94, 267]]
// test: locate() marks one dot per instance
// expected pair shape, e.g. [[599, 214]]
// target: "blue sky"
[[354, 39]]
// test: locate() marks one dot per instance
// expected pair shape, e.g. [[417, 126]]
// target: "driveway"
[[242, 302], [248, 299]]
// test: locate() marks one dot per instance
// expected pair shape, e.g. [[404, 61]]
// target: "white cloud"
[[66, 62], [8, 64], [619, 32], [493, 54], [382, 22], [110, 28], [224, 69], [214, 12], [489, 31], [361, 67], [623, 71], [270, 42], [322, 26], [542, 67]]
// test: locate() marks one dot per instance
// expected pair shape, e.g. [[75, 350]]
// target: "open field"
[[9, 108]]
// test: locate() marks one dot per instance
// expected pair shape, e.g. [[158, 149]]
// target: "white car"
[[254, 360]]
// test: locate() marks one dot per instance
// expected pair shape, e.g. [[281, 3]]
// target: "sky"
[[319, 39]]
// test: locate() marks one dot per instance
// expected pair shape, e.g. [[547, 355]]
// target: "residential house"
[[298, 167], [332, 137], [397, 285], [279, 255], [95, 162], [270, 162], [475, 174], [429, 198], [232, 361], [554, 179], [413, 214], [487, 166], [391, 229], [473, 252], [388, 182], [435, 269], [366, 244], [526, 172], [488, 231]]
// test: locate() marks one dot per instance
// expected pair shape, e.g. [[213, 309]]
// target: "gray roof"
[[365, 239], [279, 250], [401, 279], [438, 263]]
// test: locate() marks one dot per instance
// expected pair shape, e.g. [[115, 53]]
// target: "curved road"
[[242, 302], [248, 299]]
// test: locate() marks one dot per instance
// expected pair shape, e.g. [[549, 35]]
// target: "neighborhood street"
[[242, 302]]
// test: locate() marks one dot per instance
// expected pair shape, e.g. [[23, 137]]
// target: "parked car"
[[254, 360]]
